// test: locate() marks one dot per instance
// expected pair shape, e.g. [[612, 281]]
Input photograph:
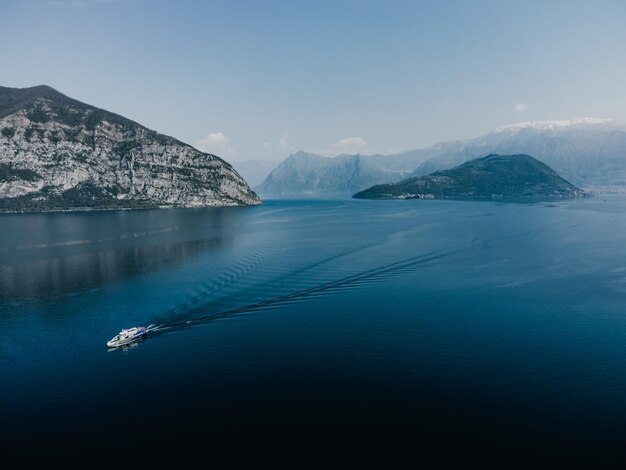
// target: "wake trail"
[[208, 289], [237, 273], [359, 279]]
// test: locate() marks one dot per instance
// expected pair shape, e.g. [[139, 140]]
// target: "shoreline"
[[113, 208]]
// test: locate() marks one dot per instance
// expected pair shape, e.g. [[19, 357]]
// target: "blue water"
[[477, 326]]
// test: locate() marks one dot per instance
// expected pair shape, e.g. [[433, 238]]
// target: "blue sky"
[[261, 79]]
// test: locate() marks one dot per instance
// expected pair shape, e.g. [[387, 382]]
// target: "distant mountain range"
[[589, 152], [306, 174], [499, 177], [309, 175], [59, 153]]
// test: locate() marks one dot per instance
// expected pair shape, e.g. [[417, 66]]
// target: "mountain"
[[59, 153], [517, 177], [589, 152], [310, 175]]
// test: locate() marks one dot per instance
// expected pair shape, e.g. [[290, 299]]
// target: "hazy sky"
[[261, 79]]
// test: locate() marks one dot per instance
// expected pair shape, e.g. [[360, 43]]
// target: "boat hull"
[[117, 341]]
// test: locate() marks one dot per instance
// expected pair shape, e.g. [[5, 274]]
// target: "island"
[[494, 177]]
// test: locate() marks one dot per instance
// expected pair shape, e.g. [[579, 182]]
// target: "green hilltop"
[[491, 177]]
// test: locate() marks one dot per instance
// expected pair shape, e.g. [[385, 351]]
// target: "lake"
[[476, 329]]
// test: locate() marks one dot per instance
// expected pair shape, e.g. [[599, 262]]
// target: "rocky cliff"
[[58, 153]]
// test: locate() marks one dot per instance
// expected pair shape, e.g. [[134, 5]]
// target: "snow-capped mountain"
[[588, 152], [556, 125]]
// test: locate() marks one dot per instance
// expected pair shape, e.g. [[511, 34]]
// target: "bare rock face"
[[58, 153]]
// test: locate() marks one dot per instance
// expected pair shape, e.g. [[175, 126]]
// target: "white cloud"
[[520, 108], [216, 143], [213, 139], [347, 145], [283, 142]]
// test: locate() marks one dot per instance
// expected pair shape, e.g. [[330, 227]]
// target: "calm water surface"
[[479, 326]]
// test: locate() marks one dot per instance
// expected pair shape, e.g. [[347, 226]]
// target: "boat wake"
[[233, 275], [198, 311]]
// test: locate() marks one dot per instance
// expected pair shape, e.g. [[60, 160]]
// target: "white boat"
[[127, 336]]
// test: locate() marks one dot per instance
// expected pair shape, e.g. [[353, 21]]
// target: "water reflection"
[[60, 254], [127, 347]]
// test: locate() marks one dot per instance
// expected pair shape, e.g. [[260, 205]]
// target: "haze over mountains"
[[588, 152], [59, 153], [306, 174], [256, 170]]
